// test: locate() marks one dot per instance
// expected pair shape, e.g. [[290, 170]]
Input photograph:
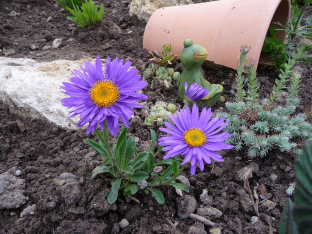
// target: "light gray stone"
[[8, 52], [215, 230], [244, 200], [254, 168], [30, 210], [66, 175], [46, 47], [1, 188], [124, 223], [183, 180], [57, 43], [32, 89], [71, 192], [197, 228], [273, 177], [12, 197], [254, 219], [209, 212], [268, 205], [13, 14], [186, 206], [49, 19]]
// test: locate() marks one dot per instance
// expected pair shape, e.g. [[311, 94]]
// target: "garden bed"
[[44, 151]]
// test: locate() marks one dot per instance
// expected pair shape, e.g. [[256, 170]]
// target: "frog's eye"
[[187, 43]]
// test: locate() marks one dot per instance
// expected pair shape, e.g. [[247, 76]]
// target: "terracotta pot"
[[222, 27]]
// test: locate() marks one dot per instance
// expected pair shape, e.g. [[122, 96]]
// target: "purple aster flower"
[[195, 92], [196, 137], [97, 98]]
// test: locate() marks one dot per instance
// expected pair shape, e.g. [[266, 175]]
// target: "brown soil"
[[44, 151]]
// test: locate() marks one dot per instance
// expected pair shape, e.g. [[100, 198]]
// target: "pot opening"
[[281, 15]]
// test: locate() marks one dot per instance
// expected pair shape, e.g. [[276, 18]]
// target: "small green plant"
[[297, 217], [157, 75], [87, 15], [131, 169], [166, 56], [159, 113], [274, 47], [293, 26], [262, 126], [70, 3]]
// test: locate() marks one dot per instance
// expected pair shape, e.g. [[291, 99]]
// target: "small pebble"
[[33, 47], [66, 175], [49, 19], [18, 172], [46, 47], [70, 180], [124, 223], [157, 169], [21, 126], [262, 197], [254, 219], [1, 188], [13, 14], [56, 43]]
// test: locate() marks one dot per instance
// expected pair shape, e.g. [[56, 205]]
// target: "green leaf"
[[164, 162], [159, 149], [158, 195], [167, 173], [287, 224], [121, 143], [98, 148], [99, 170], [154, 138], [101, 138], [140, 158], [112, 196], [129, 170], [139, 165], [114, 170], [149, 163], [129, 151], [138, 176], [179, 186], [175, 165], [134, 189], [158, 179]]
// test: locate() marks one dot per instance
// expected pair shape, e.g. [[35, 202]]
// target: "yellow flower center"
[[104, 93], [194, 137]]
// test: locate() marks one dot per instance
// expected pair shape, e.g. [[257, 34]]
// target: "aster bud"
[[245, 49], [249, 63]]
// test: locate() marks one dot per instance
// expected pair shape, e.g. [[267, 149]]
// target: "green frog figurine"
[[192, 57]]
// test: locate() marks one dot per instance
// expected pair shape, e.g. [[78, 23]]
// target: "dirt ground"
[[44, 151]]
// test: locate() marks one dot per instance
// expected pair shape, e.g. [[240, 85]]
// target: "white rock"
[[144, 9], [30, 210], [13, 14], [46, 47], [124, 223], [56, 43], [33, 89]]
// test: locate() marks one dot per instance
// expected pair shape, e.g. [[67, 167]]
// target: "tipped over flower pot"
[[222, 27]]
